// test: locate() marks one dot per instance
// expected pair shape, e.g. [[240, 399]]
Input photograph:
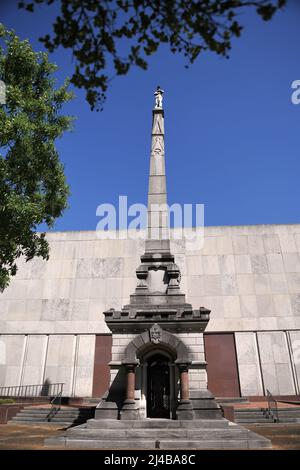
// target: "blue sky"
[[232, 132]]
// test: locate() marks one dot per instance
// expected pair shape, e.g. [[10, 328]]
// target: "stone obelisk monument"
[[158, 394], [158, 308]]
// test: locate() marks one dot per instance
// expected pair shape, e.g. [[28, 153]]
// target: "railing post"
[[274, 414]]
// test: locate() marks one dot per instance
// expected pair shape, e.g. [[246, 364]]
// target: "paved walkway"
[[24, 437], [282, 436]]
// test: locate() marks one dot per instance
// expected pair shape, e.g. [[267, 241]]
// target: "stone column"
[[130, 369], [184, 382], [130, 409], [184, 408], [143, 406]]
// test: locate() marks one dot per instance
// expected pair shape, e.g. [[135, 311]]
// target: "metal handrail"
[[54, 409], [272, 411], [31, 391]]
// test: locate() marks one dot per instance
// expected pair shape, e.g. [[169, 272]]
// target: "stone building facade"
[[53, 327]]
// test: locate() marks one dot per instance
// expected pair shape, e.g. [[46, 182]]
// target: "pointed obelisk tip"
[[158, 97]]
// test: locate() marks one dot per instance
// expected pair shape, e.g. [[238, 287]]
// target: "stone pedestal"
[[130, 408], [204, 405], [185, 410], [107, 409]]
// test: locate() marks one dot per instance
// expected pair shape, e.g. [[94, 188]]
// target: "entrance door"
[[158, 387], [222, 370]]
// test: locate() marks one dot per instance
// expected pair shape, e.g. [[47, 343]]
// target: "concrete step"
[[160, 434], [227, 400], [249, 410], [251, 417], [256, 415], [44, 418], [45, 422], [61, 424], [217, 444], [261, 410], [289, 420], [59, 413], [254, 421], [33, 415], [33, 409], [155, 423], [156, 444], [289, 408]]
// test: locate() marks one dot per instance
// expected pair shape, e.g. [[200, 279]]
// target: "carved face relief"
[[155, 334]]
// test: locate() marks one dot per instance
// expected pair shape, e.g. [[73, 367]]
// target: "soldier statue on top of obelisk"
[[158, 97]]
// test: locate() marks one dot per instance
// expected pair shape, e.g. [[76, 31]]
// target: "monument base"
[[159, 434], [184, 410], [130, 410], [107, 410]]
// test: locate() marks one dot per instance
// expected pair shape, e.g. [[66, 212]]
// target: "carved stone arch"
[[167, 340]]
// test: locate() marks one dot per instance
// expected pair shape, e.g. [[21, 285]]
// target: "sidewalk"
[[24, 437]]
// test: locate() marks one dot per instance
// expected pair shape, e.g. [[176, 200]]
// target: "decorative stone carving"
[[174, 277], [158, 124], [157, 145], [155, 334]]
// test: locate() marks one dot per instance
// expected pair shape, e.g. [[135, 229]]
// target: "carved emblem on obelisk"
[[155, 334], [157, 145]]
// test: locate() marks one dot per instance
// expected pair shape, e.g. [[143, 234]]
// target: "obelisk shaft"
[[158, 223]]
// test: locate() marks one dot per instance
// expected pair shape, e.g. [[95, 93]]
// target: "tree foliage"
[[95, 31], [33, 188]]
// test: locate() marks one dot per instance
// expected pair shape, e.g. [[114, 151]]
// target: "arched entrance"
[[156, 364], [158, 387]]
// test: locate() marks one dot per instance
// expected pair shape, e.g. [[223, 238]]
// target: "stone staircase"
[[159, 434], [65, 416], [259, 415]]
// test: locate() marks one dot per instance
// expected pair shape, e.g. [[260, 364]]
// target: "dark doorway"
[[222, 369], [158, 387]]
